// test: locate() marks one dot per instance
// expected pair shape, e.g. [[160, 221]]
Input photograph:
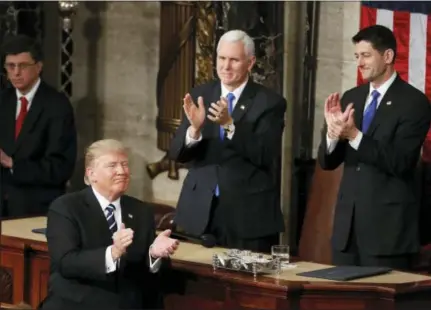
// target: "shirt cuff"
[[190, 141], [110, 265], [357, 141], [330, 144], [154, 264], [231, 133]]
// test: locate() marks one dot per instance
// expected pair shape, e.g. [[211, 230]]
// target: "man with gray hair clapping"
[[102, 242], [230, 139]]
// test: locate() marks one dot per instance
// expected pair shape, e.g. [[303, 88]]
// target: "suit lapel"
[[360, 104], [244, 102], [385, 107], [98, 217], [127, 215], [32, 116]]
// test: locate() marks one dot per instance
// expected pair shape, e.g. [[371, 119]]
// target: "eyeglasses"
[[21, 66]]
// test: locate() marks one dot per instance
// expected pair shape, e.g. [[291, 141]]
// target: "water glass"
[[281, 254]]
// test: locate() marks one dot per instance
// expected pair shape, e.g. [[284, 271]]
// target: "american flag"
[[411, 23]]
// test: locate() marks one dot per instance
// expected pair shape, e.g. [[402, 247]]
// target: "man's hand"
[[332, 107], [122, 239], [5, 160], [334, 117], [163, 245], [219, 112], [350, 131], [195, 114], [343, 125]]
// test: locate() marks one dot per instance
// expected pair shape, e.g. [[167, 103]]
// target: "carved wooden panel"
[[6, 281], [14, 262]]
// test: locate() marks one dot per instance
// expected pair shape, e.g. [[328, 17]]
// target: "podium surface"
[[193, 284]]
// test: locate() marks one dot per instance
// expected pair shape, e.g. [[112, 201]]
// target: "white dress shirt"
[[29, 96], [110, 264], [332, 143], [224, 91]]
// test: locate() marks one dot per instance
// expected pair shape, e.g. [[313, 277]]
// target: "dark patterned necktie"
[[112, 224]]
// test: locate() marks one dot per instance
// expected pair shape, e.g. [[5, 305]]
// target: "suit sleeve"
[[57, 165], [399, 156], [178, 150], [330, 161], [64, 247], [259, 142]]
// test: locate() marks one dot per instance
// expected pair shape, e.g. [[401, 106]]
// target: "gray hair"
[[239, 35], [100, 148]]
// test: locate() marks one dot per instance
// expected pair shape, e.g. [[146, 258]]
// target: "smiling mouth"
[[120, 181]]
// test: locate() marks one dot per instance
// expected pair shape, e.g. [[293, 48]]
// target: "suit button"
[[358, 168]]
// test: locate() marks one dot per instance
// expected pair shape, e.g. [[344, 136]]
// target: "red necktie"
[[21, 116]]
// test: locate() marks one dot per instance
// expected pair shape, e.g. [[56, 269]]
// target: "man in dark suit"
[[378, 137], [101, 242], [37, 134], [233, 154]]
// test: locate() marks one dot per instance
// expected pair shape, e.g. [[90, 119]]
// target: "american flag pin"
[[242, 107], [389, 103], [131, 216]]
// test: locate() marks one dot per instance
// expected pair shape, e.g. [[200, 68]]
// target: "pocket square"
[[130, 216]]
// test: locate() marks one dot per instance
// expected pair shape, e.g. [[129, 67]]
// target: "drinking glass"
[[281, 254]]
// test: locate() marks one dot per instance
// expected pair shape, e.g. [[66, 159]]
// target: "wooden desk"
[[194, 284]]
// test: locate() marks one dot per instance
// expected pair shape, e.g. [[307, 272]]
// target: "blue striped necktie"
[[370, 111], [112, 224], [230, 98]]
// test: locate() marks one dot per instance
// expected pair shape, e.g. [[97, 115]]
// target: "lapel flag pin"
[[242, 107], [131, 216], [389, 103]]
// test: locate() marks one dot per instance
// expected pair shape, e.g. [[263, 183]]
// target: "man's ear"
[[89, 172], [252, 61], [389, 56]]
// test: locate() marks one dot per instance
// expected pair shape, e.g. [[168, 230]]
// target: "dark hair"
[[380, 37], [18, 44]]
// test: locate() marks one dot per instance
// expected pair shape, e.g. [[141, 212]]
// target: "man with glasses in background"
[[38, 141]]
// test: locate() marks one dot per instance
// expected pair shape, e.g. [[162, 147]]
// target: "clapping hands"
[[341, 125], [163, 245]]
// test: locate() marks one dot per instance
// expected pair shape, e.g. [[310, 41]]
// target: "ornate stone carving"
[[262, 21], [205, 28]]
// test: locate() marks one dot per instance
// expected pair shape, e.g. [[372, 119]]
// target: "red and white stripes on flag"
[[413, 61]]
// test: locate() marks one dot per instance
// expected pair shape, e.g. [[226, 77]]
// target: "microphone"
[[205, 240]]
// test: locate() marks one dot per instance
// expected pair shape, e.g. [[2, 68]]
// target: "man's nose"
[[16, 70], [120, 169]]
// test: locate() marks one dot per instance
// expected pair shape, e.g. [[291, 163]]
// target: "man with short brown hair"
[[376, 130], [38, 142]]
